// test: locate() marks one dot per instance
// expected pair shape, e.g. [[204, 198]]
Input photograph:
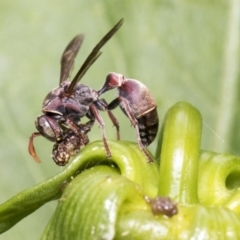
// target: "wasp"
[[65, 106]]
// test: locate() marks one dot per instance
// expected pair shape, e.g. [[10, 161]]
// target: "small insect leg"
[[31, 148], [99, 119], [102, 105]]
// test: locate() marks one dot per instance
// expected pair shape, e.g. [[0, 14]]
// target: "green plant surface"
[[123, 161], [182, 50], [117, 198]]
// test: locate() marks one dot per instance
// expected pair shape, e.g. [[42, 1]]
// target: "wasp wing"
[[92, 57], [69, 55]]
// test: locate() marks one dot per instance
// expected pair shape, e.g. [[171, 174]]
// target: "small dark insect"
[[162, 205], [138, 104], [69, 145], [65, 105]]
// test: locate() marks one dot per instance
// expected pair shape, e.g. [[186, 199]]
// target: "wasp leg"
[[124, 104], [31, 148], [102, 105], [74, 127], [94, 114]]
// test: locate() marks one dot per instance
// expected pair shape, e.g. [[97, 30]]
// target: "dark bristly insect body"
[[162, 205], [65, 105], [138, 104], [69, 146]]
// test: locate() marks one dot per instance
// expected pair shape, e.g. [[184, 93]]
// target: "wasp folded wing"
[[69, 55], [92, 57]]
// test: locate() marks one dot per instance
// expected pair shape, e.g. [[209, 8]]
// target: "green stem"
[[180, 153]]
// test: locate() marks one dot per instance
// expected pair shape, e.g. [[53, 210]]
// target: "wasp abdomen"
[[148, 127]]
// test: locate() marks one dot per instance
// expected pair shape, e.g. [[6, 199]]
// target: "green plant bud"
[[89, 207], [126, 197], [101, 204], [127, 159]]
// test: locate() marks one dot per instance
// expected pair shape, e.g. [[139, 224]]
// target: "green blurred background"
[[182, 50]]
